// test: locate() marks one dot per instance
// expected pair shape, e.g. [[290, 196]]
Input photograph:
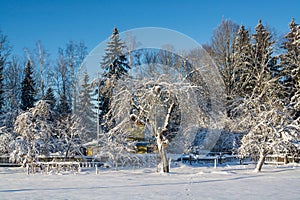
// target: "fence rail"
[[58, 167]]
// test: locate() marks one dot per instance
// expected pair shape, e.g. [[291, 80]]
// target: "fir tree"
[[262, 115], [86, 108], [263, 61], [28, 90], [115, 65], [63, 108], [242, 69], [290, 65], [114, 62], [50, 98], [242, 60]]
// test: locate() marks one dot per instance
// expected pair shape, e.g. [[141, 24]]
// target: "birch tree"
[[222, 49], [13, 78], [4, 53], [41, 59]]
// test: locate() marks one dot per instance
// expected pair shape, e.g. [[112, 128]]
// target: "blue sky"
[[55, 22]]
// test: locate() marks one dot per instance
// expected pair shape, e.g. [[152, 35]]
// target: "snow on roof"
[[91, 143]]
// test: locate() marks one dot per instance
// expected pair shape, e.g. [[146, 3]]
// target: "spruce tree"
[[28, 90], [50, 98], [263, 61], [114, 62], [261, 113], [86, 108], [63, 107], [242, 67], [290, 65], [115, 66]]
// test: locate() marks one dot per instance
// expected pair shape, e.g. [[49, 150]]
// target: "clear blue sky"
[[55, 22]]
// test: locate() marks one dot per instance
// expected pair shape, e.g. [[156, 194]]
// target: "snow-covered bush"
[[272, 131], [67, 136], [35, 128], [6, 138]]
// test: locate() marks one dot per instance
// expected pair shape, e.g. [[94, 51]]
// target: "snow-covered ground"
[[184, 182]]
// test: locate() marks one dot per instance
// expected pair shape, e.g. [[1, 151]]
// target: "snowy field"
[[184, 182]]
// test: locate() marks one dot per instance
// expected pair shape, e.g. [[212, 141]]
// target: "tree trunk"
[[162, 144], [260, 162], [286, 160], [162, 141], [164, 159], [67, 151]]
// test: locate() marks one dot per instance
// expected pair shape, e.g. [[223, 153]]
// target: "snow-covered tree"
[[222, 50], [35, 129], [261, 114], [242, 69], [165, 105], [13, 78], [41, 62], [50, 98], [74, 56], [86, 108], [63, 84], [66, 75], [115, 48], [115, 66], [4, 53], [116, 147], [28, 91], [273, 132], [289, 69], [68, 133], [6, 137]]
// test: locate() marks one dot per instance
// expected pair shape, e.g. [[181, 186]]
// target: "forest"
[[51, 106]]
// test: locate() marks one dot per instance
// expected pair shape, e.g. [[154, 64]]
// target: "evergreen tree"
[[63, 107], [50, 98], [114, 49], [86, 108], [242, 61], [290, 65], [261, 113], [242, 70], [263, 61], [115, 65], [28, 90]]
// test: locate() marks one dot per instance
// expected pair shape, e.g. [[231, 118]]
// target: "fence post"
[[27, 169], [97, 171], [215, 164]]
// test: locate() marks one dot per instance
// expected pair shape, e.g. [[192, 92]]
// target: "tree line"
[[261, 81], [261, 86]]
